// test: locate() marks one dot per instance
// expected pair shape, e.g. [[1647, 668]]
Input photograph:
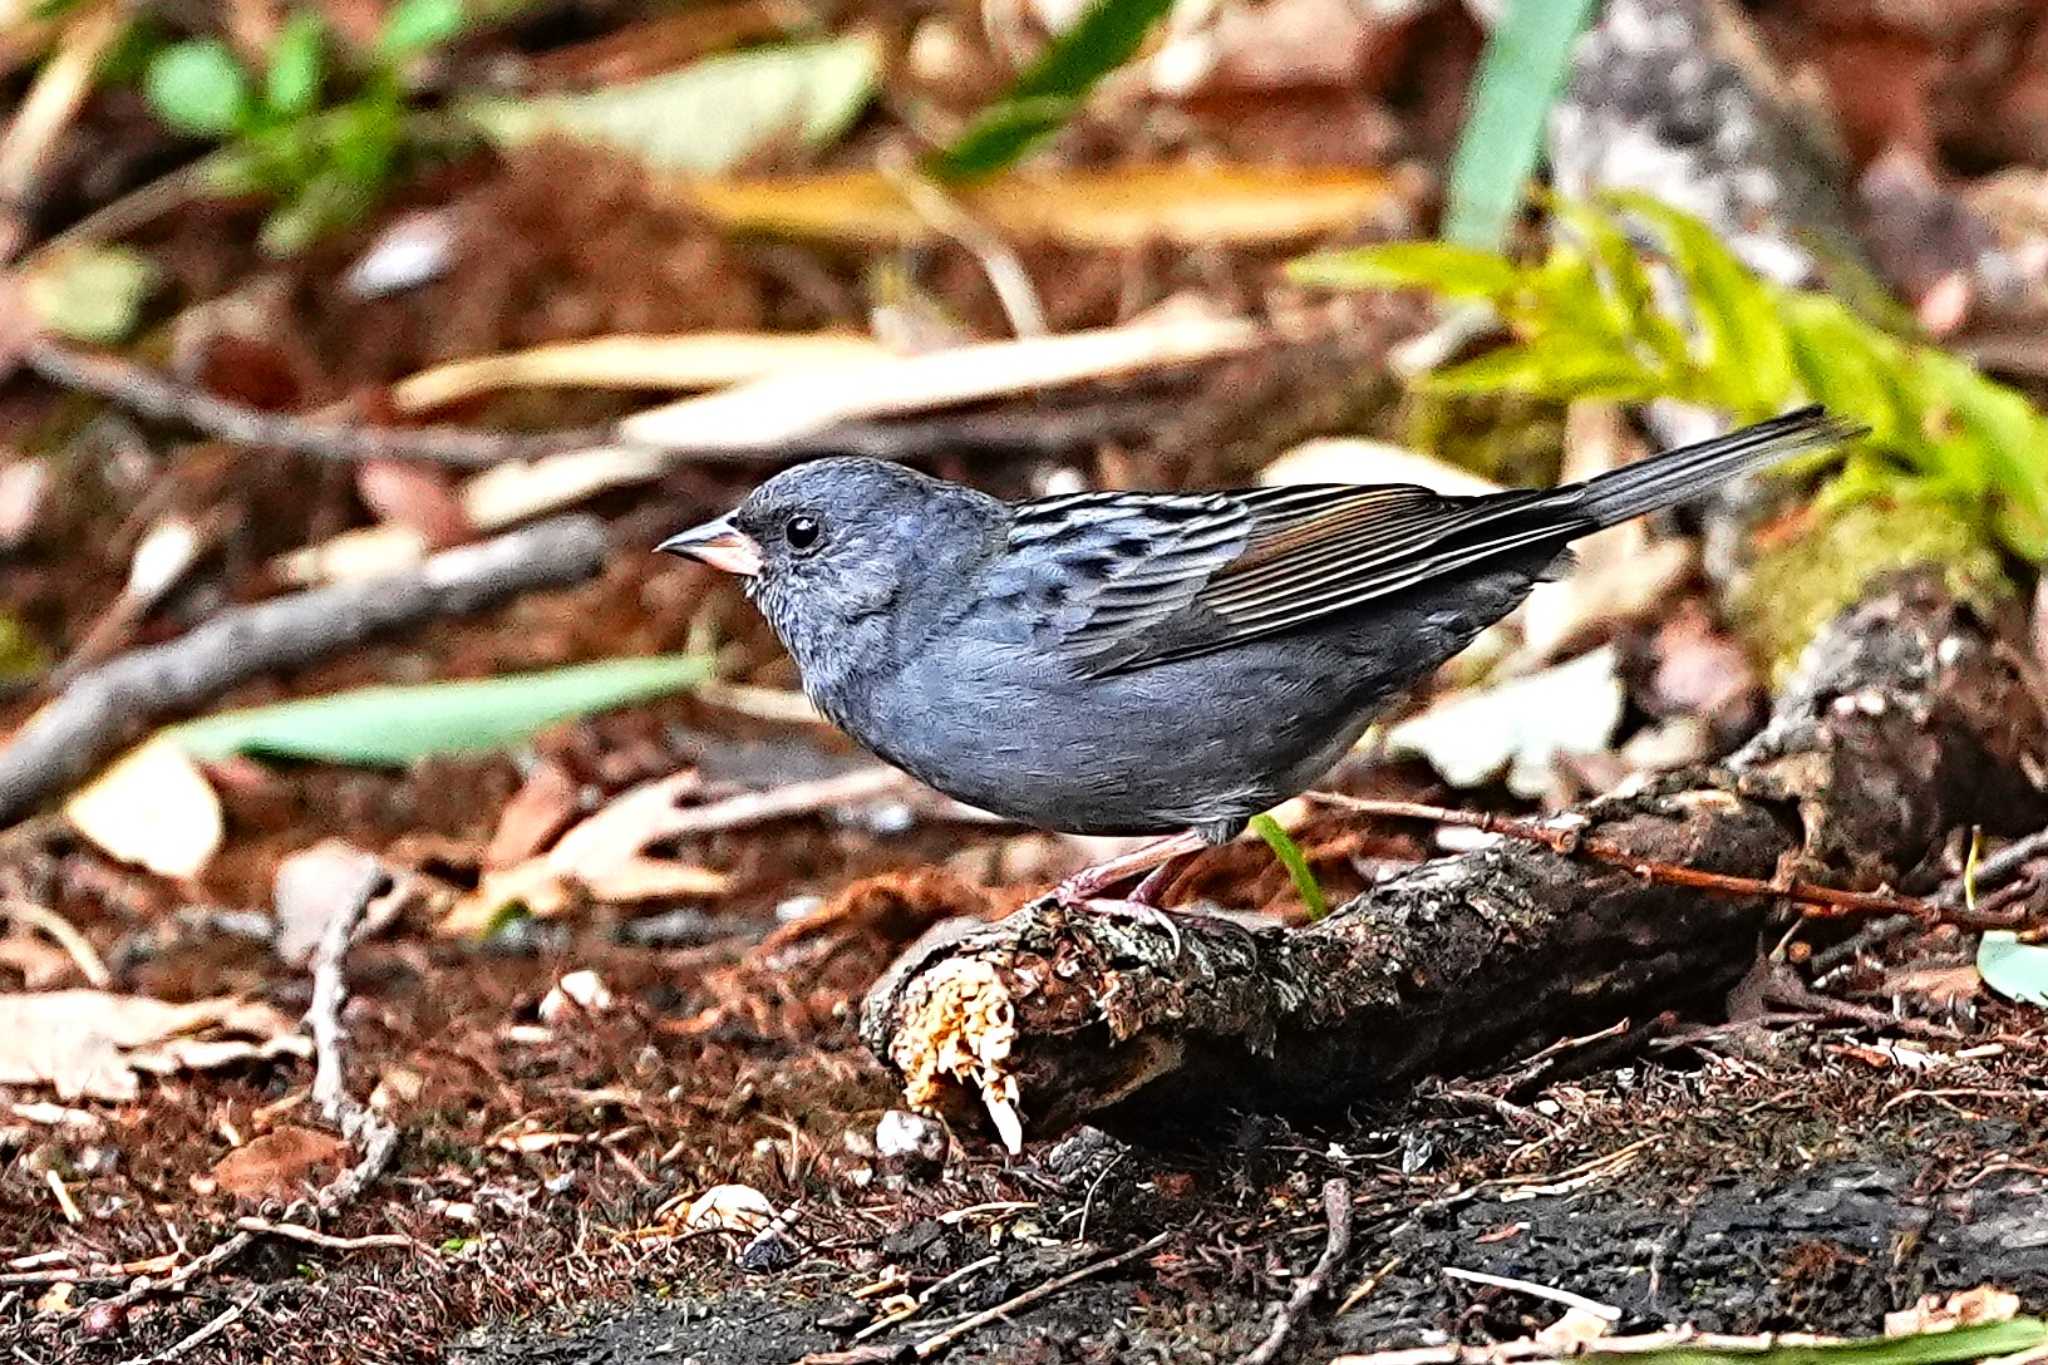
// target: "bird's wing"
[[1144, 578], [1095, 572]]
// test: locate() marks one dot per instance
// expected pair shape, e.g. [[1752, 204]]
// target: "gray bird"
[[1137, 663]]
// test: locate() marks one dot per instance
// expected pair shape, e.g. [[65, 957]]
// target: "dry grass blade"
[[700, 360], [784, 407]]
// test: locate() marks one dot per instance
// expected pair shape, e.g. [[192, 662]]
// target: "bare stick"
[[299, 1232], [226, 1319], [1336, 1209], [330, 993], [83, 955], [159, 397], [377, 1136], [152, 394], [939, 1341], [1813, 900], [116, 702], [1606, 1312]]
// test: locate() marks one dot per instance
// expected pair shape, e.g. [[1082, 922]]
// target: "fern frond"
[[1598, 317]]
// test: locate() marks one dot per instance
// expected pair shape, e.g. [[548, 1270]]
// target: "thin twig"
[[226, 1319], [159, 397], [218, 1256], [377, 1136], [53, 101], [330, 993], [299, 1232], [1368, 1286], [924, 1300], [83, 955], [939, 1341], [999, 261], [1337, 1209], [1994, 869], [1606, 1312], [1530, 1348], [1824, 902]]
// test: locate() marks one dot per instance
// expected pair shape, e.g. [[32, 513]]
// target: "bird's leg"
[[1148, 891], [1152, 859]]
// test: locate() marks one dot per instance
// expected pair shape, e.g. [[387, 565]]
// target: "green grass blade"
[[1926, 1348], [1049, 92], [1289, 853], [394, 726], [1454, 271], [1748, 348], [1523, 69]]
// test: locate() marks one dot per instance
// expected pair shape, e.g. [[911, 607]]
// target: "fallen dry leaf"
[[580, 992], [1520, 728], [314, 884], [783, 407], [780, 407], [279, 1164], [737, 1208], [604, 857], [1939, 986], [154, 808], [416, 496], [1354, 459], [90, 1044], [541, 809]]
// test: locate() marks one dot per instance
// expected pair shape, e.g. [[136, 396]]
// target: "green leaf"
[[710, 117], [1002, 134], [1559, 366], [1747, 350], [1289, 853], [393, 726], [199, 88], [415, 26], [297, 62], [327, 201], [1048, 92], [1523, 69], [2016, 970], [92, 294], [2008, 442], [1563, 300], [1843, 364], [1625, 282], [1455, 271]]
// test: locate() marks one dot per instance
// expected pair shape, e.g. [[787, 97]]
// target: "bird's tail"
[[1676, 475]]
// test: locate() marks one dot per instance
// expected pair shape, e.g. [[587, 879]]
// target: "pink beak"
[[720, 544]]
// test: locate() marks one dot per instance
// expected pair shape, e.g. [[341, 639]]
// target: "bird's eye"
[[802, 533]]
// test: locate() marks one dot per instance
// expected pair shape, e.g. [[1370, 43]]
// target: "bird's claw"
[[1136, 911]]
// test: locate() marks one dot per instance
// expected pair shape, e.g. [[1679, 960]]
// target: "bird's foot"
[[1152, 916]]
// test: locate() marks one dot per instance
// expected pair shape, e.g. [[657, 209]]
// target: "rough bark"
[[1907, 722]]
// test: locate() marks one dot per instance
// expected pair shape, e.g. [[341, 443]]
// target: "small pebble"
[[415, 250]]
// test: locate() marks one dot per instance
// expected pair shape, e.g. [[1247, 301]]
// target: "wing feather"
[[1132, 579]]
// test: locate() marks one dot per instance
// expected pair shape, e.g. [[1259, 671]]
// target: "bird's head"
[[832, 550]]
